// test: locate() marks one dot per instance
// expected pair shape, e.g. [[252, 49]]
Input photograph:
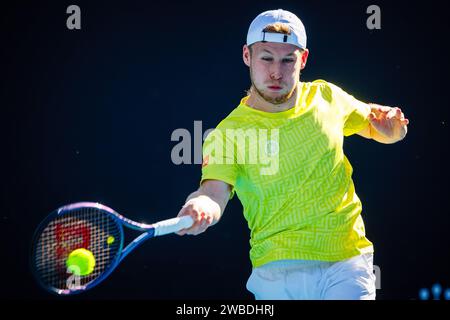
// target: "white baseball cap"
[[297, 36]]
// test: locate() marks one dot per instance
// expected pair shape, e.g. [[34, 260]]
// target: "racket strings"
[[86, 227]]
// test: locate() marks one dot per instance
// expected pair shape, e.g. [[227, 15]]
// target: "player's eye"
[[266, 58], [288, 60]]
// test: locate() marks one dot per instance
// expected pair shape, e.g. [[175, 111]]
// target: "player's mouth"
[[275, 88]]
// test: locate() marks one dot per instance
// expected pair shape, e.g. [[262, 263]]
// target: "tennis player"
[[307, 234]]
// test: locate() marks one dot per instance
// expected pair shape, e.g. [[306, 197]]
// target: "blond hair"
[[277, 27]]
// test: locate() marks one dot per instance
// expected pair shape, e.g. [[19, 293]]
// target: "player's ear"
[[246, 55], [304, 57]]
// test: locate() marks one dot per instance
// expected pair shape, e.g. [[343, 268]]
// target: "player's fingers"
[[200, 218], [385, 109], [399, 114], [188, 211], [204, 221], [388, 113], [380, 109], [401, 117], [197, 216], [392, 114], [373, 116], [202, 225], [375, 111]]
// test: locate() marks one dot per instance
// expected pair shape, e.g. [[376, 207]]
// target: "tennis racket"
[[90, 226]]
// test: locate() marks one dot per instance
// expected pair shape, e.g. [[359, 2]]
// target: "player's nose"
[[275, 71]]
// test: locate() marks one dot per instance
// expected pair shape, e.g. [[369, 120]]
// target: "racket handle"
[[172, 225]]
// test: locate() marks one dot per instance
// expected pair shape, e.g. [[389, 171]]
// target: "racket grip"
[[172, 225]]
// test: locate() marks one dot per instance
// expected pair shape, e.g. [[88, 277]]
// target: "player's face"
[[275, 69]]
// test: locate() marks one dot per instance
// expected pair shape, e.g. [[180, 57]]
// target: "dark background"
[[87, 115]]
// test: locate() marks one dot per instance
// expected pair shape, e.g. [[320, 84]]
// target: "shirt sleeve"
[[355, 112], [219, 159]]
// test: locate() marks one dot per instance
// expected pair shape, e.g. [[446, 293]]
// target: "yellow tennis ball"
[[80, 262], [110, 240]]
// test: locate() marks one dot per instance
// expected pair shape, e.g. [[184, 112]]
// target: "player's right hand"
[[202, 210]]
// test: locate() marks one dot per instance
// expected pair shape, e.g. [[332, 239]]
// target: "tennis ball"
[[110, 240], [81, 262]]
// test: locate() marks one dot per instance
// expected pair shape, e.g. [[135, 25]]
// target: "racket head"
[[87, 225]]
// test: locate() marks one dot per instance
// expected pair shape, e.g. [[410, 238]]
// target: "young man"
[[290, 172]]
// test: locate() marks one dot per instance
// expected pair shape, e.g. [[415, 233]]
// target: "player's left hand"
[[389, 122]]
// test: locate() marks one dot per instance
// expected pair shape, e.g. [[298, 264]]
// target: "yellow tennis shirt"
[[290, 173]]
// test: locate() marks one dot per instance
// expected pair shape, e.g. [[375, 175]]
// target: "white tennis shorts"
[[350, 279]]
